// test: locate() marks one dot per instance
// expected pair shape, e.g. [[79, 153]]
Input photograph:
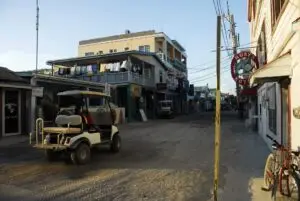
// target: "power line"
[[219, 11], [202, 76], [224, 70], [208, 67], [204, 64]]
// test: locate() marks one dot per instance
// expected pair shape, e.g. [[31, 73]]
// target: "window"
[[144, 48], [160, 76], [261, 51], [100, 52], [126, 48], [115, 50], [111, 51], [89, 54], [147, 48], [272, 109], [277, 9]]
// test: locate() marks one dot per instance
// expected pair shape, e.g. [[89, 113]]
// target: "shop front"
[[14, 99]]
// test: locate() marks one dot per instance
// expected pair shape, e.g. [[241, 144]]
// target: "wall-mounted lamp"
[[296, 112]]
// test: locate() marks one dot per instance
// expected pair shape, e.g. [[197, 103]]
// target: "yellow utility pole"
[[218, 112]]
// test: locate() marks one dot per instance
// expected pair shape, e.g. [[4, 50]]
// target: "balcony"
[[179, 65], [165, 59], [172, 63], [118, 78]]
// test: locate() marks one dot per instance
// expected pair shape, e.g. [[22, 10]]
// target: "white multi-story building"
[[276, 38]]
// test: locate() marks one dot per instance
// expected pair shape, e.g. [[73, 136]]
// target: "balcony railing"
[[172, 62], [118, 78], [179, 65]]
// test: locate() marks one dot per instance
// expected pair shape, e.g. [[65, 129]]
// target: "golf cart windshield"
[[165, 103], [72, 99]]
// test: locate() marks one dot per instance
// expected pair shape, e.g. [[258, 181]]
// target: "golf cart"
[[78, 129], [165, 108]]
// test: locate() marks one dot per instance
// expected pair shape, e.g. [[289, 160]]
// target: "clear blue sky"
[[64, 23]]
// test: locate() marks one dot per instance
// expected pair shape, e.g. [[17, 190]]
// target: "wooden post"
[[218, 112]]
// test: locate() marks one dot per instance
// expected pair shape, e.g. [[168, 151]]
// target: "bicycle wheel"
[[269, 172], [291, 183]]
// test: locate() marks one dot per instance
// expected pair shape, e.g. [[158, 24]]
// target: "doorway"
[[11, 116]]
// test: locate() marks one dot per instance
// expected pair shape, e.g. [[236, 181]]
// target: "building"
[[15, 95], [275, 36], [139, 79], [171, 53]]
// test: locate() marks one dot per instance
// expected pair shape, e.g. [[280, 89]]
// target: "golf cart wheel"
[[81, 155], [116, 143], [51, 155]]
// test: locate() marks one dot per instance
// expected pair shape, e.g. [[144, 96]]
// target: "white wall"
[[295, 94], [279, 41], [276, 40], [263, 123]]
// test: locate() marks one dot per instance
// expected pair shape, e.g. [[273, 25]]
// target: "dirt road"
[[159, 160]]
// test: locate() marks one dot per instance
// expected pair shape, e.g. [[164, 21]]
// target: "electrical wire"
[[224, 70]]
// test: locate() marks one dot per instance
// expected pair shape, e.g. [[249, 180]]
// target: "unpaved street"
[[159, 160]]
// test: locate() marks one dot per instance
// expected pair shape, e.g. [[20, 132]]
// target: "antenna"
[[37, 37]]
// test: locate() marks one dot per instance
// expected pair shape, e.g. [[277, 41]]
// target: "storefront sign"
[[242, 65], [136, 90], [38, 91]]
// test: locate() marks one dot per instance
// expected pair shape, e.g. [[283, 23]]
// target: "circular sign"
[[242, 66]]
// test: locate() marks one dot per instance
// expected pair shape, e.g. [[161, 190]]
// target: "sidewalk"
[[13, 140], [243, 155]]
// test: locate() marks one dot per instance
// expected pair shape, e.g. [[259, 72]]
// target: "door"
[[11, 112]]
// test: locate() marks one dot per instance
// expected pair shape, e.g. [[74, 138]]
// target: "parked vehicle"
[[165, 108], [80, 128]]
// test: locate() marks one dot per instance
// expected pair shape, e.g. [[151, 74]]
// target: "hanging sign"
[[242, 65]]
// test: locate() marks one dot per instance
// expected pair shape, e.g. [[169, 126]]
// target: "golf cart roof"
[[76, 93], [166, 101]]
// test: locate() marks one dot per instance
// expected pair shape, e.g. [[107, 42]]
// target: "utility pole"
[[218, 112], [234, 49], [37, 37]]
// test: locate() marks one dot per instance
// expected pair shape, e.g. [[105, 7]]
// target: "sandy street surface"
[[160, 160]]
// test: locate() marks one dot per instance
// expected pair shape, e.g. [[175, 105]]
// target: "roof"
[[117, 37], [10, 76], [87, 59], [82, 93], [178, 45]]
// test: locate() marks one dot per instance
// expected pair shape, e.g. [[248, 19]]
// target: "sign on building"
[[38, 91], [242, 65]]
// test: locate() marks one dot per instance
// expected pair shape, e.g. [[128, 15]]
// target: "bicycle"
[[282, 171], [272, 165]]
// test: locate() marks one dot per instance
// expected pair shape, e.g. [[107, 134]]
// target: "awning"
[[249, 92], [272, 71]]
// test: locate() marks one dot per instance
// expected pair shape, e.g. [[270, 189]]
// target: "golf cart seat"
[[66, 125]]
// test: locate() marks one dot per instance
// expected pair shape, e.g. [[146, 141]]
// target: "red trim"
[[249, 92]]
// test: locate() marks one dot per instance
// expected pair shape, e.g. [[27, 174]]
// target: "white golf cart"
[[80, 128], [165, 108]]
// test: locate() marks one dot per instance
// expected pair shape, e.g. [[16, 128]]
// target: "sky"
[[62, 24]]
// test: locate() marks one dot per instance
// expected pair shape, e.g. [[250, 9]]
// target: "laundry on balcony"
[[272, 71]]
